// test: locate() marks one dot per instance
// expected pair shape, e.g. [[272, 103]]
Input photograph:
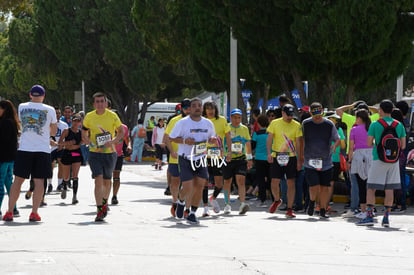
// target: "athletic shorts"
[[119, 163], [234, 167], [34, 164], [384, 176], [102, 164], [278, 172], [173, 170], [336, 171], [70, 157], [314, 177], [214, 170], [188, 171], [56, 154]]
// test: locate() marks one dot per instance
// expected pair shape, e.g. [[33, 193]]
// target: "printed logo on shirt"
[[33, 120]]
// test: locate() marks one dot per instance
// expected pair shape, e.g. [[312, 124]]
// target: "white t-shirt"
[[35, 119], [61, 125], [200, 131]]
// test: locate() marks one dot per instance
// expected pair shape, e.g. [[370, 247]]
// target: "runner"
[[215, 169], [241, 161], [56, 153], [157, 143], [9, 129], [38, 123], [382, 175], [192, 134], [284, 156], [98, 131], [173, 170], [318, 134], [123, 148], [71, 157]]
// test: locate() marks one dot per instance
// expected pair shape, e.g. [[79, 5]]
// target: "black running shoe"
[[322, 213], [114, 200], [311, 208]]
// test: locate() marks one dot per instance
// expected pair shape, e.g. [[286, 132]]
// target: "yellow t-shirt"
[[239, 137], [221, 126], [168, 131], [102, 129], [284, 136]]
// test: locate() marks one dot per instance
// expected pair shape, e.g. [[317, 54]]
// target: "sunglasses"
[[316, 111]]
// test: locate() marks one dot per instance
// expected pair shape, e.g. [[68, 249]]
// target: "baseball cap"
[[76, 117], [330, 114], [178, 107], [288, 109], [186, 103], [361, 105], [236, 111], [304, 109], [37, 90]]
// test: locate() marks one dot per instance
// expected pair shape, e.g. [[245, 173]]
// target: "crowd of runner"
[[291, 157]]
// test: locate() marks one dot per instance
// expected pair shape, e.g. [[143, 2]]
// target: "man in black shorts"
[[38, 123], [318, 135]]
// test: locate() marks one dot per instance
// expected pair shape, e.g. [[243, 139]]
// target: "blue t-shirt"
[[260, 137]]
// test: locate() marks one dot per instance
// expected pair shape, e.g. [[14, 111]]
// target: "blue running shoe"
[[179, 212], [368, 221], [192, 219], [385, 222]]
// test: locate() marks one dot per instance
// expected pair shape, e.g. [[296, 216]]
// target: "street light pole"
[[233, 71]]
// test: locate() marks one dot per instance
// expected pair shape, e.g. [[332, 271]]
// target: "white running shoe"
[[244, 207], [206, 212], [215, 205], [361, 215], [227, 209], [348, 214]]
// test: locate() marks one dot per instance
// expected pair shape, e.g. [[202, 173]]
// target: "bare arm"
[[269, 147]]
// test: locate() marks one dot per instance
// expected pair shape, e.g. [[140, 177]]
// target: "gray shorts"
[[102, 164], [384, 176], [188, 173]]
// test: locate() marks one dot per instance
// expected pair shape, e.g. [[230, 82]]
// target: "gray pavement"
[[140, 237]]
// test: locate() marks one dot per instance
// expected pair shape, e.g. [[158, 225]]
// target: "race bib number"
[[237, 148], [282, 159], [213, 152], [103, 138], [316, 163], [200, 148]]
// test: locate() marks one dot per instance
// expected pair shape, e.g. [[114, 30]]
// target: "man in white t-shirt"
[[38, 122], [192, 134]]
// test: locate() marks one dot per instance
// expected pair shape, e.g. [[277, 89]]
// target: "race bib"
[[213, 152], [282, 158], [237, 148], [200, 148], [75, 154], [316, 163], [103, 138]]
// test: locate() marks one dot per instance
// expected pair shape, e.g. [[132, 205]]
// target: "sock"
[[60, 181], [225, 197], [99, 207], [216, 192], [193, 209], [104, 201], [369, 210], [205, 195], [75, 186], [49, 181], [65, 184], [387, 211]]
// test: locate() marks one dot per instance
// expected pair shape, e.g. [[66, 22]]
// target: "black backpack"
[[389, 146]]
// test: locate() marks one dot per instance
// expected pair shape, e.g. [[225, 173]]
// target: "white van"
[[158, 110]]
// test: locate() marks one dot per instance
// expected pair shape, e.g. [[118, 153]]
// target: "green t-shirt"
[[375, 130], [335, 156]]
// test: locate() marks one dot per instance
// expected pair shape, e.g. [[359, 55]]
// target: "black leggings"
[[362, 187], [262, 178]]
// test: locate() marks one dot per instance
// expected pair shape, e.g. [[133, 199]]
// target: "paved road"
[[140, 237]]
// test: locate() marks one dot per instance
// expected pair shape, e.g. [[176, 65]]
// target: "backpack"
[[142, 133], [389, 146]]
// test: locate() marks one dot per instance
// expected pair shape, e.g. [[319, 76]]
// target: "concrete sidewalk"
[[140, 237]]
